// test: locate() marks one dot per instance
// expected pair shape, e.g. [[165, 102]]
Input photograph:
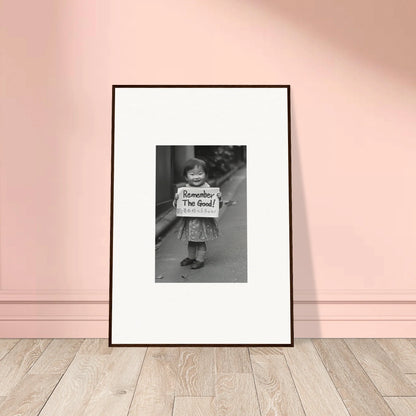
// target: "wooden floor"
[[327, 377]]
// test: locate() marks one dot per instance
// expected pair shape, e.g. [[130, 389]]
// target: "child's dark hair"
[[191, 163]]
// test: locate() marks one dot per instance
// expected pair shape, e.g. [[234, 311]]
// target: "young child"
[[196, 231]]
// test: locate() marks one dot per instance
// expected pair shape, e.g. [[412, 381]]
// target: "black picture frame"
[[114, 339]]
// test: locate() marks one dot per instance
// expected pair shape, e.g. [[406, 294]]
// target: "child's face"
[[196, 176]]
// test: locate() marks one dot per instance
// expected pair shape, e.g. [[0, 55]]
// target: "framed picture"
[[201, 230]]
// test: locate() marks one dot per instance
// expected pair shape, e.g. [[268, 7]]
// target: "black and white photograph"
[[201, 232], [201, 214]]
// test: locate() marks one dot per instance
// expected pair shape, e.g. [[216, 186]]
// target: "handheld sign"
[[197, 202]]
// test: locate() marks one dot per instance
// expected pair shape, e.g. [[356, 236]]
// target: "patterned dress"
[[198, 229]]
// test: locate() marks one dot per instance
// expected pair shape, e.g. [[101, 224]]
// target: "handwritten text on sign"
[[197, 202]]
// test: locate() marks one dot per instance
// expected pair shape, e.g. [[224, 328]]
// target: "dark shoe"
[[187, 261], [197, 264]]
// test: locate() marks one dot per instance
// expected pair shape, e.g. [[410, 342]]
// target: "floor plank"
[[401, 352], [412, 378], [57, 357], [115, 390], [18, 362], [6, 345], [275, 387], [194, 406], [312, 381], [402, 406], [354, 386], [316, 377], [155, 391], [76, 387], [95, 346], [383, 372], [265, 351], [232, 360], [196, 372], [235, 395], [412, 341], [30, 394]]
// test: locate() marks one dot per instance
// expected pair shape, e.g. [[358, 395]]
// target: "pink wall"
[[352, 69]]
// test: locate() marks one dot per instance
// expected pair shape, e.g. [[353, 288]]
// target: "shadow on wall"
[[375, 34], [306, 313], [379, 31]]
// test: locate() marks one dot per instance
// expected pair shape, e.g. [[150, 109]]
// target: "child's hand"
[[219, 195], [175, 200]]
